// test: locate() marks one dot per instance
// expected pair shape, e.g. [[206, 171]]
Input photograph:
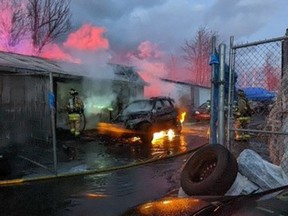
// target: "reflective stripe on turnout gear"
[[74, 116], [243, 118]]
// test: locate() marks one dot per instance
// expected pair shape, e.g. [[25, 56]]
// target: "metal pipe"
[[260, 42], [231, 92], [53, 127], [259, 131], [212, 138], [221, 124]]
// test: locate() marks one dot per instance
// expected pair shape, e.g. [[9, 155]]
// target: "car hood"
[[168, 207], [274, 201]]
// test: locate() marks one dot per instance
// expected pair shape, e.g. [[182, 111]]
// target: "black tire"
[[211, 170], [145, 131]]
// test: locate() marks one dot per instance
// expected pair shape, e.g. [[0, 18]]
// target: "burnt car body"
[[147, 116], [271, 202]]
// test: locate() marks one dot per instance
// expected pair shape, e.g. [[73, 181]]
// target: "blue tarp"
[[258, 94]]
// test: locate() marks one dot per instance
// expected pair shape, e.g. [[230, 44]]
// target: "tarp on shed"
[[258, 94]]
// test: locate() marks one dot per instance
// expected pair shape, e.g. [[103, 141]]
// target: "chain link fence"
[[261, 71]]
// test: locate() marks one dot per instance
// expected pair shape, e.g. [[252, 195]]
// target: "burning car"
[[144, 117]]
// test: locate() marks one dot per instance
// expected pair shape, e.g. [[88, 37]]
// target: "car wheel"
[[146, 134], [211, 170]]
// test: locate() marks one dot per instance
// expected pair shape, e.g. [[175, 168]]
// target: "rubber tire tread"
[[221, 178]]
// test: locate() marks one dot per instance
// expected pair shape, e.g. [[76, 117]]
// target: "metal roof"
[[17, 63], [127, 74]]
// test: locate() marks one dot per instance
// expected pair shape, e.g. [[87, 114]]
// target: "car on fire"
[[144, 117]]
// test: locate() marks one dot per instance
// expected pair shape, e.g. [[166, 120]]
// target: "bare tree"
[[271, 73], [49, 20], [13, 23], [172, 66], [197, 55]]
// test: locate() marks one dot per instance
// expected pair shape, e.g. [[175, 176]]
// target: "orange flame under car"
[[182, 117], [160, 135], [169, 133]]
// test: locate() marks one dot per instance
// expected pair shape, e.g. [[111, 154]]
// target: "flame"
[[160, 135], [182, 117]]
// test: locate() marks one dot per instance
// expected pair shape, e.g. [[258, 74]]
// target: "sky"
[[168, 23], [145, 34]]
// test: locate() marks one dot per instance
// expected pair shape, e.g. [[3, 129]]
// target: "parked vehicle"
[[272, 202], [202, 113], [144, 117]]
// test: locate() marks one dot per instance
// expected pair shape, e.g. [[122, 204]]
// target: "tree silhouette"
[[271, 73], [197, 55], [39, 21], [48, 19], [13, 23]]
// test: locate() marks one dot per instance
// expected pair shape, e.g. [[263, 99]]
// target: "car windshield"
[[137, 106], [203, 106]]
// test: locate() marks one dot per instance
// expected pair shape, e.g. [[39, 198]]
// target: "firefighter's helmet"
[[241, 93], [73, 92]]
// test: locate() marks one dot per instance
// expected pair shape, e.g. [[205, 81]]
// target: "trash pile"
[[254, 175]]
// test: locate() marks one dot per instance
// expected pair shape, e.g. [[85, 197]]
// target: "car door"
[[164, 111], [169, 110]]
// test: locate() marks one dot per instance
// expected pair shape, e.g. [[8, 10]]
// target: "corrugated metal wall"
[[24, 109]]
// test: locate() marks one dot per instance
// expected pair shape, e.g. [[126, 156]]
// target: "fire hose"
[[83, 117], [92, 172]]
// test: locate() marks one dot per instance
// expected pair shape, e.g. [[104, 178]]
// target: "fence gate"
[[261, 71]]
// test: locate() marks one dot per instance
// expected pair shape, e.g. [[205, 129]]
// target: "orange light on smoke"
[[182, 117]]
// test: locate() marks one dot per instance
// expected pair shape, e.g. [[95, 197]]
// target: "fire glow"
[[182, 117], [169, 133], [160, 135], [106, 128]]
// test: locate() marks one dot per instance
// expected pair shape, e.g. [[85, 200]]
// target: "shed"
[[25, 85]]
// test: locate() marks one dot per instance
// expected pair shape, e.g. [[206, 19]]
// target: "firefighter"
[[74, 108], [243, 116]]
